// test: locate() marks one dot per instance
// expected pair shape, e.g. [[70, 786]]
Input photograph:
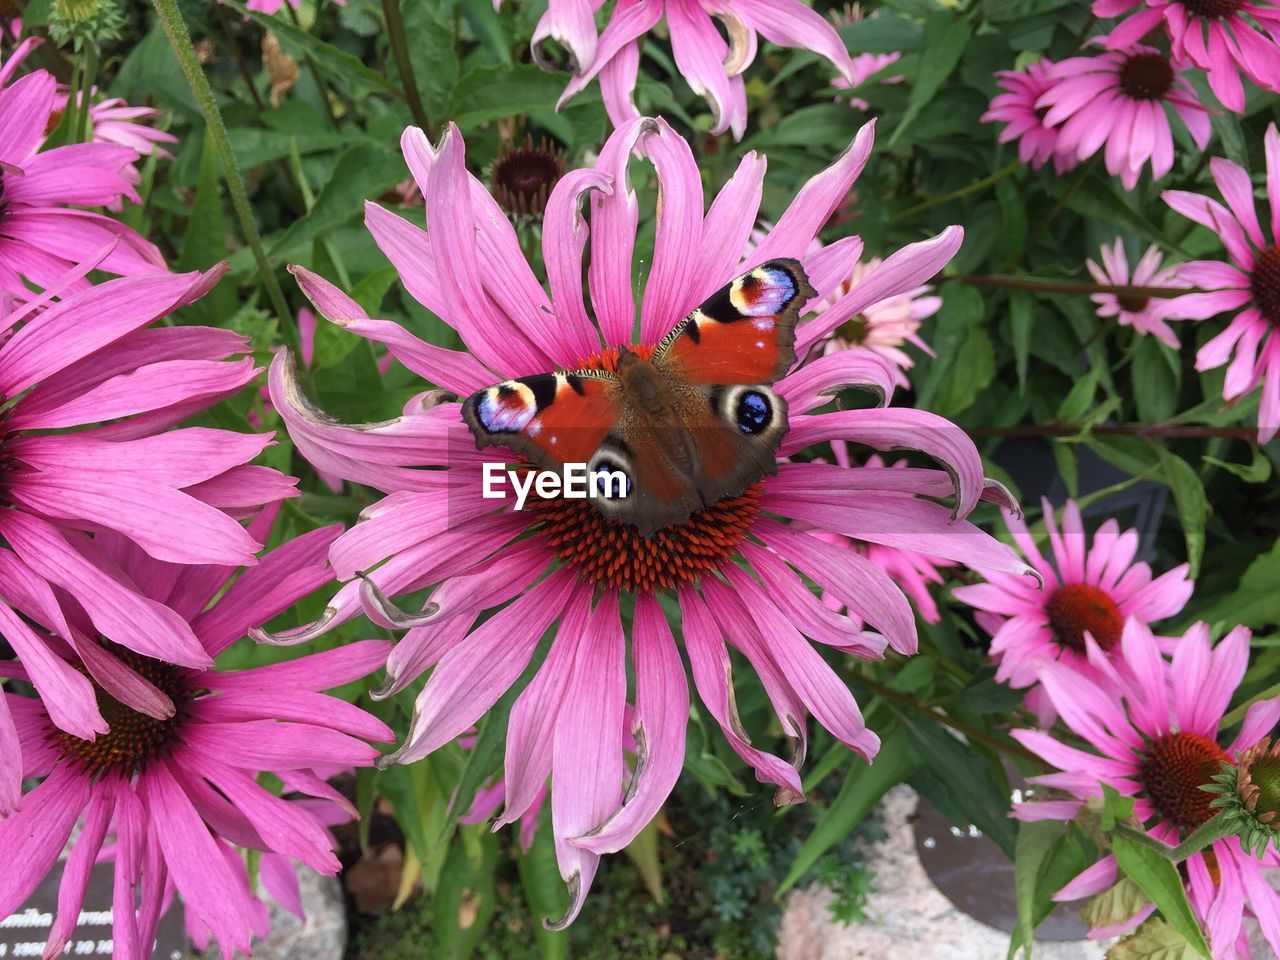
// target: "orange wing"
[[744, 334], [551, 419]]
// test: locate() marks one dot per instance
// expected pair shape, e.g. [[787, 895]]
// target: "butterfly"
[[694, 423]]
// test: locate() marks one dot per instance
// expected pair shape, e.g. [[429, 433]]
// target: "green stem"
[[86, 94], [1043, 285], [180, 39], [973, 734], [957, 194], [1201, 837], [400, 52]]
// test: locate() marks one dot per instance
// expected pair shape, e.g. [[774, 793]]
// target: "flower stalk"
[[400, 53], [1200, 838], [180, 40]]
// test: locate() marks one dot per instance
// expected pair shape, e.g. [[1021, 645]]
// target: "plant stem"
[[180, 40], [400, 52], [85, 101], [1163, 430], [1042, 285], [969, 733], [1201, 837], [957, 194]]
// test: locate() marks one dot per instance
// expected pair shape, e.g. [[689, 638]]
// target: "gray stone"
[[324, 934]]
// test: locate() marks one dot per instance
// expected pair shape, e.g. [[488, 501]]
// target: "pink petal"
[[672, 288], [34, 836]]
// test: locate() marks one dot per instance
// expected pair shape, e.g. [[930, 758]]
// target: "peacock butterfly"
[[692, 424]]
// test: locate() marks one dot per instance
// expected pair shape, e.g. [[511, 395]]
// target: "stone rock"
[[908, 916], [324, 934]]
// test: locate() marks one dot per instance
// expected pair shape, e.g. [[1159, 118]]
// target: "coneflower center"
[[134, 739], [1212, 9], [522, 177], [1132, 304], [1176, 766], [615, 554], [1265, 284], [1076, 608], [1146, 76]]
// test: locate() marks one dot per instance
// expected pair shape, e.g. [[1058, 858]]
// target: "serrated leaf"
[[1160, 881]]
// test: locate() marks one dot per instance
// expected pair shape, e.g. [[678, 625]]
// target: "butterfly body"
[[691, 425]]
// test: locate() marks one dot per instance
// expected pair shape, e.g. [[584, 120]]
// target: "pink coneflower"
[[1153, 735], [1250, 283], [1024, 121], [884, 327], [910, 570], [86, 445], [1224, 38], [42, 235], [177, 786], [114, 121], [863, 66], [1147, 315], [1089, 590], [1120, 99], [712, 67], [562, 560]]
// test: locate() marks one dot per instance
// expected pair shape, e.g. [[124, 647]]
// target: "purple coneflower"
[[1017, 108], [86, 445], [1224, 38], [1147, 315], [42, 233], [736, 568], [1249, 284], [710, 65], [1153, 733], [1120, 99], [1090, 590], [176, 783]]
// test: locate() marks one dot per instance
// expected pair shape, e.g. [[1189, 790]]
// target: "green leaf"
[[945, 36], [1259, 471], [360, 173], [484, 759], [488, 27], [1116, 808], [1160, 881], [465, 898], [430, 34], [1193, 504], [862, 789], [643, 852], [420, 807], [1156, 380], [544, 890], [298, 43], [1154, 940], [491, 93], [970, 374], [1079, 398], [1035, 841], [205, 240], [1256, 601], [885, 33]]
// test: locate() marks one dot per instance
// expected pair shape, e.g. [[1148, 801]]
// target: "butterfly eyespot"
[[753, 411], [609, 477]]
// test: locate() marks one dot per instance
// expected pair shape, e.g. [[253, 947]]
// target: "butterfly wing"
[[744, 334], [550, 419]]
